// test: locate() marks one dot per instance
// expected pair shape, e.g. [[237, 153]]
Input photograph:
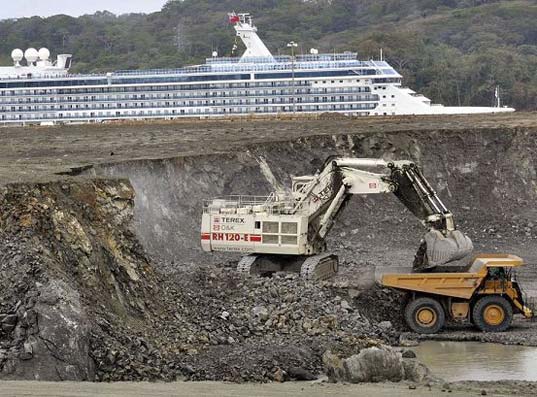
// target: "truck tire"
[[492, 313], [425, 315]]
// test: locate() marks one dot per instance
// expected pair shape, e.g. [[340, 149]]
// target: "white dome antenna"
[[215, 54], [44, 54], [31, 55], [314, 51], [17, 55]]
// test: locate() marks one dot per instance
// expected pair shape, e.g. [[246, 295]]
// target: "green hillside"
[[454, 51]]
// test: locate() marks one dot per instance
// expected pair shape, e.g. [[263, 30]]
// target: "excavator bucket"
[[438, 249]]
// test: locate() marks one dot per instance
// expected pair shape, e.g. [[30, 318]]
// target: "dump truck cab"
[[486, 295]]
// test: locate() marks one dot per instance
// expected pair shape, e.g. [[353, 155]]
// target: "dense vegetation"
[[454, 51]]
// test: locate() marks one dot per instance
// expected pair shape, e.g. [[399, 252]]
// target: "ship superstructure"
[[44, 92]]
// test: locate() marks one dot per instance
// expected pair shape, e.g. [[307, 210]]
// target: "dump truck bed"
[[457, 285]]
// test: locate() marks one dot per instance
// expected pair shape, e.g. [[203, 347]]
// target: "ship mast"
[[248, 34]]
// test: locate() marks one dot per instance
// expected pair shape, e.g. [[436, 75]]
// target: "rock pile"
[[248, 328]]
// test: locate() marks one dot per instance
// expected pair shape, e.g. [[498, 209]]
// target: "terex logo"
[[233, 220]]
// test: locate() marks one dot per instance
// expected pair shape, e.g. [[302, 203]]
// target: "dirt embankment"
[[52, 153]]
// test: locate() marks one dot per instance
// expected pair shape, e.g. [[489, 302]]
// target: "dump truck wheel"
[[492, 313], [425, 315]]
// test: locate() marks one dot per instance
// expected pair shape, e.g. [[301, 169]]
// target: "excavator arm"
[[443, 243], [325, 194]]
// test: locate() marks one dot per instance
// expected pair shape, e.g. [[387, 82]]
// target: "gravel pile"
[[220, 325]]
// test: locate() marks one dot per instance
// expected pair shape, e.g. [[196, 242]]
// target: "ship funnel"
[[64, 61], [248, 33]]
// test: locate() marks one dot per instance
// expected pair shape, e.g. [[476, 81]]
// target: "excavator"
[[287, 230]]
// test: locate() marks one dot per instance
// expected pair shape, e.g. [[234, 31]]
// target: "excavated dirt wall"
[[487, 177]]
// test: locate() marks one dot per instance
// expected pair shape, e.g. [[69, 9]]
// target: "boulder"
[[374, 365], [333, 366], [407, 353], [415, 371], [59, 350], [385, 325], [298, 373], [260, 312], [279, 375]]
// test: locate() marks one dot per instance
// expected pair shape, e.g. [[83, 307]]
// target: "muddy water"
[[454, 361]]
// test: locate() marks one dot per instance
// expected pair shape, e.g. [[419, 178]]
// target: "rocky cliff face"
[[487, 177], [68, 255]]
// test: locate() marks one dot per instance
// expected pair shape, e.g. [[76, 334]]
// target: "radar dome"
[[215, 53], [44, 54], [17, 55], [31, 55]]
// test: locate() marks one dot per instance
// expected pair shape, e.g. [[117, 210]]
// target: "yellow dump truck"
[[487, 295]]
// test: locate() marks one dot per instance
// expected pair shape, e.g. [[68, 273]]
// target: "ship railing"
[[362, 96], [215, 68], [247, 67], [246, 204], [262, 109], [346, 56], [147, 106]]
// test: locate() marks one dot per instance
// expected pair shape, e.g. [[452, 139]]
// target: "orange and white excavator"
[[286, 230]]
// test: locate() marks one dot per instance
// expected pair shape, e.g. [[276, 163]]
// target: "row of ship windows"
[[197, 111], [163, 88], [184, 79], [148, 104], [179, 95]]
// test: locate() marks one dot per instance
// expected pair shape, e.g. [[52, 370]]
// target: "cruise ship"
[[37, 90]]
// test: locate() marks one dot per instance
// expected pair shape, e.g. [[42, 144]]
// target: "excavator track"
[[247, 264], [319, 267], [313, 268]]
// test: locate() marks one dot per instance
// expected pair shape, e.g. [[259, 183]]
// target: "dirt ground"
[[37, 154], [210, 389]]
